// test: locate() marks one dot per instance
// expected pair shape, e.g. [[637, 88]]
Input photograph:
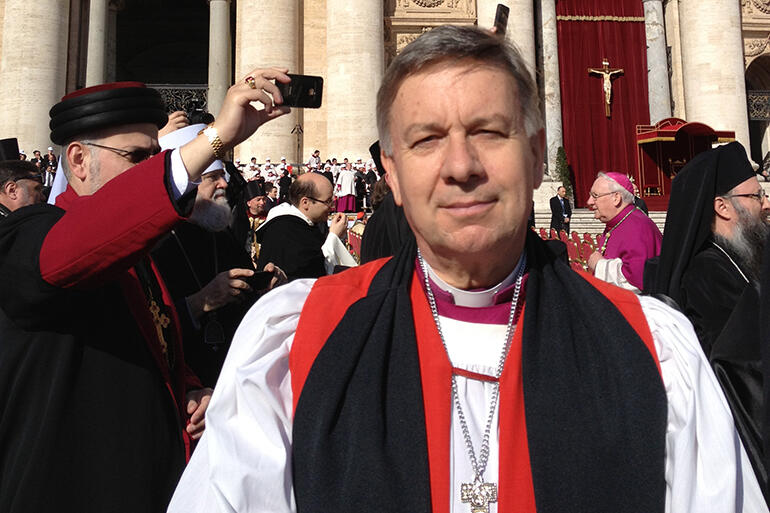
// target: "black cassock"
[[188, 259], [711, 287], [386, 231], [90, 409], [293, 245], [724, 310]]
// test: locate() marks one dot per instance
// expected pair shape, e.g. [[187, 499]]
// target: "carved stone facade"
[[405, 20], [756, 29]]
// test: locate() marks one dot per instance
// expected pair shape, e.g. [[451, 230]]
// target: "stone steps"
[[583, 220]]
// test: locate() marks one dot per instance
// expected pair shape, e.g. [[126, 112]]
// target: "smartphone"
[[304, 91], [501, 19], [259, 281]]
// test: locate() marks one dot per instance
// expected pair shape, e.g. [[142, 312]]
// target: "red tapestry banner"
[[591, 32]]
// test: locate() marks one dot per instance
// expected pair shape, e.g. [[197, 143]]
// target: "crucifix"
[[479, 495], [161, 322], [607, 74]]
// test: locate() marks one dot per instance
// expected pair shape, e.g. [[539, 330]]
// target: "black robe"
[[711, 287], [386, 231], [293, 245], [87, 418], [209, 253]]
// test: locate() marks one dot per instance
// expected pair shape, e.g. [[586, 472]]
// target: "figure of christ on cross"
[[606, 73]]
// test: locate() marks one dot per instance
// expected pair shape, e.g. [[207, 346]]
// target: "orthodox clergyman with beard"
[[714, 234], [710, 265], [206, 269]]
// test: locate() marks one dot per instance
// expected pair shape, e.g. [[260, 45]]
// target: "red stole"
[[326, 305]]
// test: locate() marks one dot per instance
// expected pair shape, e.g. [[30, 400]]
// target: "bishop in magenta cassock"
[[630, 237], [473, 371]]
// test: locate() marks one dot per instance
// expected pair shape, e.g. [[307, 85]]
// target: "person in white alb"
[[474, 371]]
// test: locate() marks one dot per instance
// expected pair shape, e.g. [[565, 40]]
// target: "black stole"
[[595, 403]]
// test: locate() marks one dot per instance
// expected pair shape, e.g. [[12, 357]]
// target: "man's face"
[[462, 165], [37, 154], [211, 183], [752, 207], [561, 191], [318, 209], [211, 211], [273, 193], [257, 205], [605, 204], [104, 165]]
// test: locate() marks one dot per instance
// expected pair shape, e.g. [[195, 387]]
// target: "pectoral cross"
[[479, 495], [606, 73], [161, 322]]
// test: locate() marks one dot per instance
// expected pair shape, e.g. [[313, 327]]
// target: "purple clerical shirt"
[[633, 239]]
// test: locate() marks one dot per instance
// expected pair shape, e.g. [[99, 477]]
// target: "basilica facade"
[[603, 67]]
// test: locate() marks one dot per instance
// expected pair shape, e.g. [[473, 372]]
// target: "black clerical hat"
[[254, 190], [104, 106], [9, 149], [733, 167]]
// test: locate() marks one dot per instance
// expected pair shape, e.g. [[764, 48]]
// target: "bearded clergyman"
[[715, 231], [710, 264]]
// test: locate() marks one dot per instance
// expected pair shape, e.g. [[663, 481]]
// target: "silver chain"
[[478, 466]]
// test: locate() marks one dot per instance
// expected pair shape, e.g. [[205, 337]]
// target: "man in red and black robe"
[[473, 371], [98, 407]]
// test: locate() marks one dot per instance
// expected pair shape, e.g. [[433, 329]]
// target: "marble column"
[[712, 65], [657, 61], [220, 70], [96, 65], [32, 68], [521, 25], [267, 35], [355, 63], [551, 83]]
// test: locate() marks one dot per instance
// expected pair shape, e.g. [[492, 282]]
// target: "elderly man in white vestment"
[[476, 371]]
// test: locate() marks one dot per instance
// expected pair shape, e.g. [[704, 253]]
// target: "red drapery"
[[593, 142]]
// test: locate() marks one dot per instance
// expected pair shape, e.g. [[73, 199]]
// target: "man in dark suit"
[[561, 212]]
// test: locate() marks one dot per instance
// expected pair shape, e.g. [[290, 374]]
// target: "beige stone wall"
[[267, 34], [314, 63], [31, 80], [2, 18]]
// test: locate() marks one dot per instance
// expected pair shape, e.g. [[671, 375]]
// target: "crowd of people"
[[353, 183], [183, 333]]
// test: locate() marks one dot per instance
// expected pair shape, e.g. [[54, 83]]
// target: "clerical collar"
[[475, 298], [620, 217]]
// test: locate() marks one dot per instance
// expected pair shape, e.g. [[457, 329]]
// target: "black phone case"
[[304, 91]]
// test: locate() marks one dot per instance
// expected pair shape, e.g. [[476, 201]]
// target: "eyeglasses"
[[760, 196], [133, 156], [595, 196], [328, 202]]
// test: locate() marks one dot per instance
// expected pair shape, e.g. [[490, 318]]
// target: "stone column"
[[551, 83], [521, 25], [657, 61], [355, 64], [712, 65], [32, 68], [220, 70], [96, 65], [267, 35]]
